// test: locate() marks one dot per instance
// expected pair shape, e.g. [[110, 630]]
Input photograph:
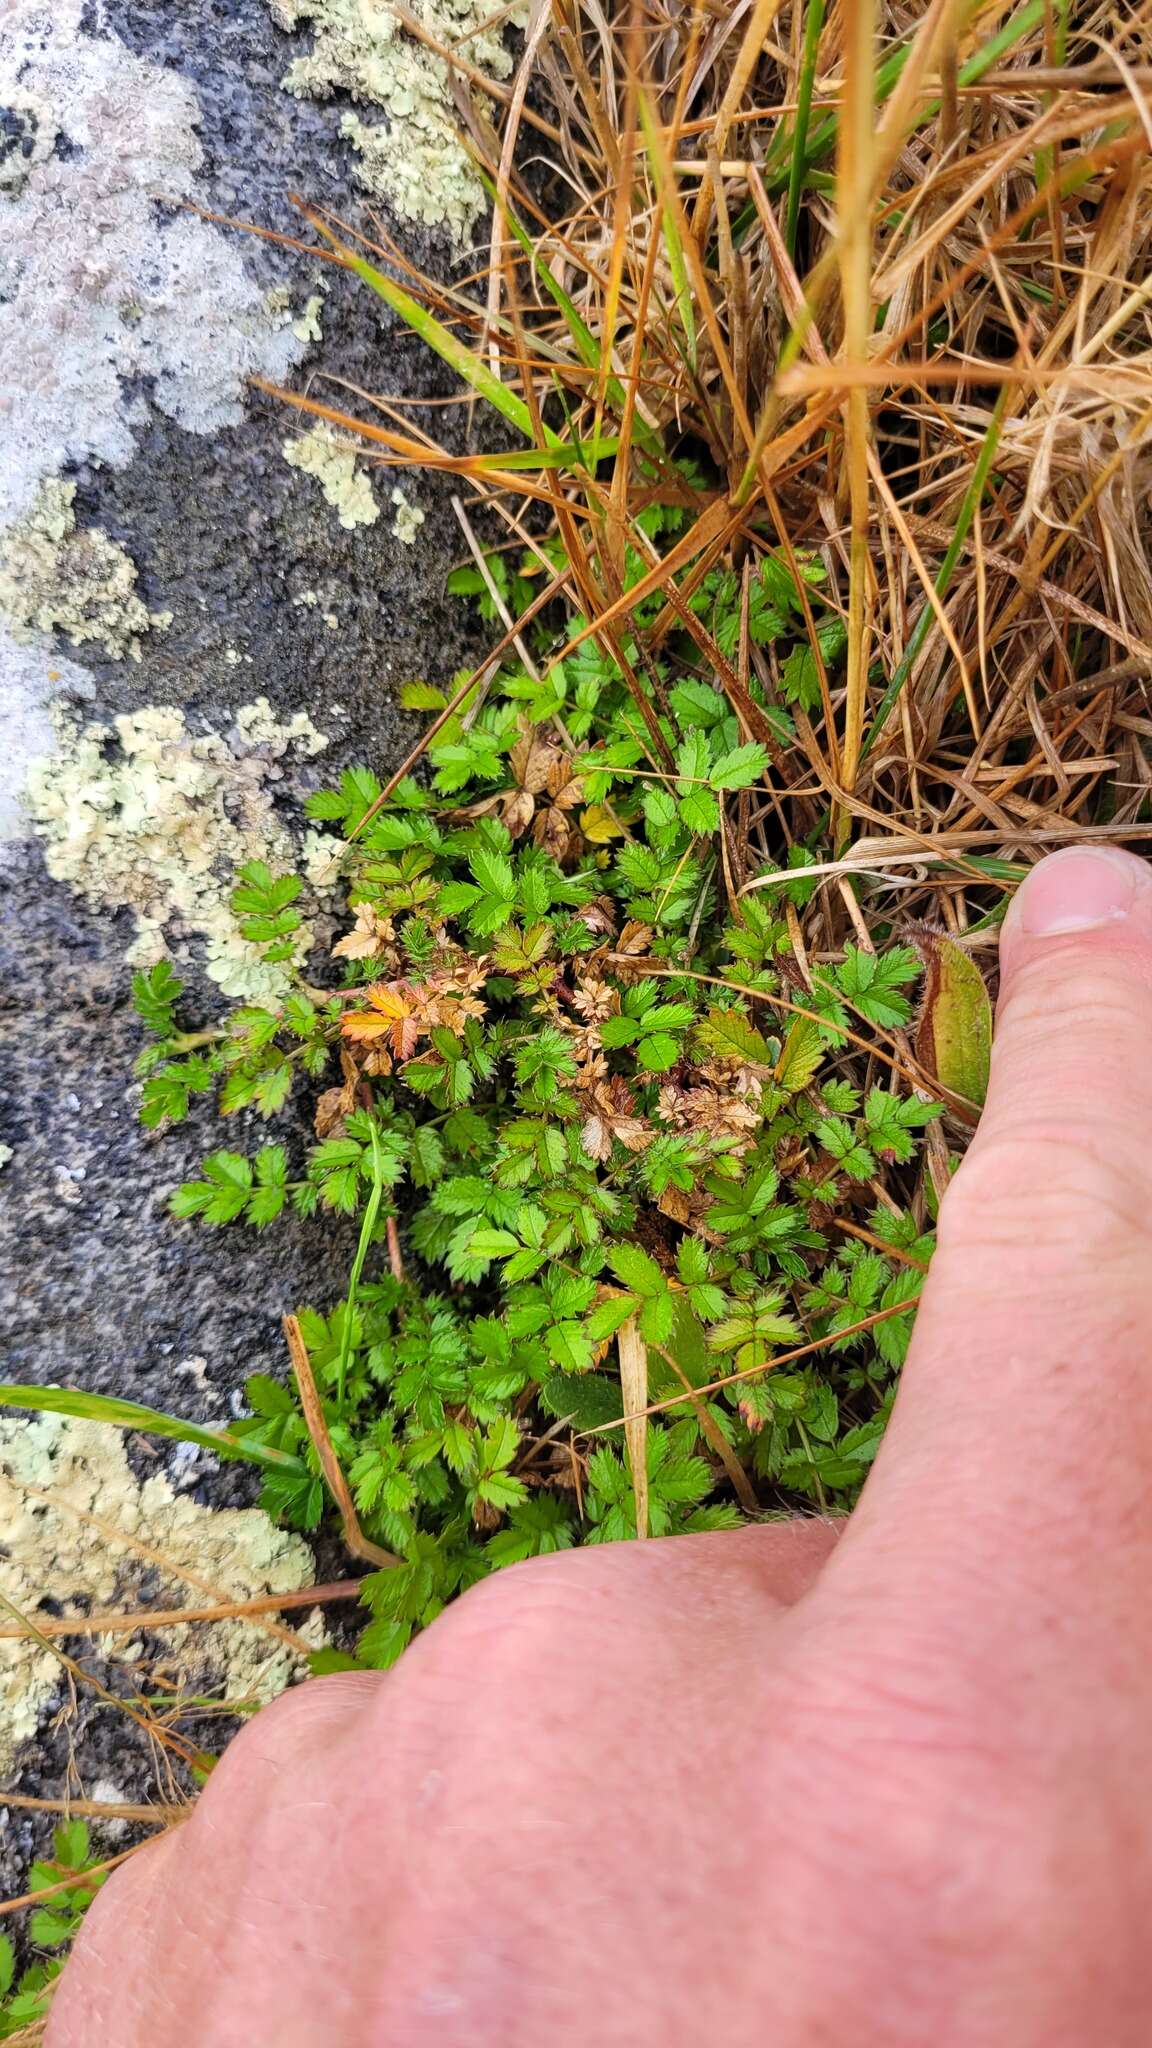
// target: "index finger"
[[1017, 1464]]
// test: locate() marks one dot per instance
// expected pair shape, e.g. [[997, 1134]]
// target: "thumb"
[[1020, 1448]]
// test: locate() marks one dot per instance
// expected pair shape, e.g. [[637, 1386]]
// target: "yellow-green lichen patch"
[[58, 578], [408, 520], [415, 161], [66, 1493], [149, 816], [332, 458], [307, 327]]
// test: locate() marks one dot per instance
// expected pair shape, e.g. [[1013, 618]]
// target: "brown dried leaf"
[[599, 915], [596, 999], [518, 813], [552, 831], [531, 762], [331, 1110], [368, 936], [612, 1118]]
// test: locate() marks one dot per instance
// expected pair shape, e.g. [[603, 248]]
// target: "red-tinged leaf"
[[954, 1036]]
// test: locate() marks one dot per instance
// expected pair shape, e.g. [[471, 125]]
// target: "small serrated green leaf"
[[729, 1033], [740, 767], [800, 1055]]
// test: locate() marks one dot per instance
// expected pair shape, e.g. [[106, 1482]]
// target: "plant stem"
[[813, 27], [853, 181], [367, 1228]]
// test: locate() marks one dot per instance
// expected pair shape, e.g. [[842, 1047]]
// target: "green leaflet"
[[800, 1055], [729, 1033]]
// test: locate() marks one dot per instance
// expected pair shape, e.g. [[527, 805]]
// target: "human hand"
[[771, 1787]]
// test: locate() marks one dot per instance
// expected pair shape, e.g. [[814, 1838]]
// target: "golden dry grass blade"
[[354, 1536], [127, 1621], [632, 1353], [853, 177]]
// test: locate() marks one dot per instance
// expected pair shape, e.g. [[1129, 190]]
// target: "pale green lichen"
[[103, 293], [58, 578], [333, 459], [417, 162], [307, 327], [82, 1533], [152, 817], [409, 518]]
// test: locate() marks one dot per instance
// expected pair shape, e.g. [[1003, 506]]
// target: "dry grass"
[[891, 289]]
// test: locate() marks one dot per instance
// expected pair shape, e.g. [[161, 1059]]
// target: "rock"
[[268, 595], [125, 389]]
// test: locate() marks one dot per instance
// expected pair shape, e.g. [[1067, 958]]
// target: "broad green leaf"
[[954, 1041], [658, 1053], [491, 1244], [656, 1318], [740, 767], [569, 1347], [636, 1270], [699, 812]]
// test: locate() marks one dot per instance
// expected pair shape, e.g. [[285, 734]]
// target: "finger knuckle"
[[534, 1627], [301, 1723]]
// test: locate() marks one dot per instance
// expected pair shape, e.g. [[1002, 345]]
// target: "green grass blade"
[[471, 368], [960, 531], [584, 341], [823, 136], [586, 345], [153, 1421], [813, 28], [575, 454], [371, 1213]]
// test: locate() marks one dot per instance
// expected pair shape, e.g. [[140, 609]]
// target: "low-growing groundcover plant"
[[70, 1879], [632, 1165]]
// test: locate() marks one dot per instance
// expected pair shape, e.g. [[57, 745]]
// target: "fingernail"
[[1079, 890]]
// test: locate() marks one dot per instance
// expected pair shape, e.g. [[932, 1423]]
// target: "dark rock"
[[99, 1286]]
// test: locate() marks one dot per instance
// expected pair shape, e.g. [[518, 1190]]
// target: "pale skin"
[[776, 1789]]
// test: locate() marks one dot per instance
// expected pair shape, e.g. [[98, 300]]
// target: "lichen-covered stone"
[[270, 596], [80, 584], [333, 459], [98, 283], [307, 327], [408, 518], [150, 817], [82, 1533], [415, 159]]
